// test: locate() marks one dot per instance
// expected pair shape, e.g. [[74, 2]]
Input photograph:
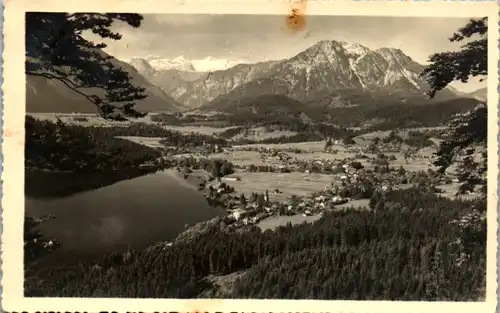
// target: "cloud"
[[180, 19]]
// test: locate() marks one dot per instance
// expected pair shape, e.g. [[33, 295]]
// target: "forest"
[[383, 116], [314, 123], [64, 147], [61, 147], [420, 249]]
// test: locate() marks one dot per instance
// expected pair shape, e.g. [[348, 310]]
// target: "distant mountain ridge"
[[196, 93], [166, 79], [46, 95], [161, 64], [180, 63], [334, 70], [480, 94], [328, 74]]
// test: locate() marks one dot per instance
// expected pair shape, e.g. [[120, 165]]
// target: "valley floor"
[[281, 186], [320, 214]]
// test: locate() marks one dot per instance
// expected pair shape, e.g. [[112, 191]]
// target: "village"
[[337, 176]]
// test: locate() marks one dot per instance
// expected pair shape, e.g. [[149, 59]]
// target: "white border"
[[13, 148]]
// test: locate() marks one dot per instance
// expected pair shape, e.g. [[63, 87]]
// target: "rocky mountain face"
[[165, 78], [161, 64], [213, 84], [46, 95], [340, 73]]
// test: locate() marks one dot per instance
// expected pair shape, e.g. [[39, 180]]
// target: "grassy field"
[[204, 130], [288, 183], [81, 119], [402, 133], [450, 190], [260, 133], [245, 158], [310, 146], [276, 221], [153, 142], [222, 284]]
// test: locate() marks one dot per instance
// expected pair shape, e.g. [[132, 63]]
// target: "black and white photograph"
[[256, 156]]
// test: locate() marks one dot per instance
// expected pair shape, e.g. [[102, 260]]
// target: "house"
[[231, 178], [338, 200], [237, 214], [320, 198]]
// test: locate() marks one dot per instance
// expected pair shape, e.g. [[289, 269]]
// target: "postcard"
[[228, 156]]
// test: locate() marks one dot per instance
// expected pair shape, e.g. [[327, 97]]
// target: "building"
[[239, 214], [231, 178]]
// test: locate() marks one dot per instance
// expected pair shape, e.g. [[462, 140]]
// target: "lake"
[[131, 213]]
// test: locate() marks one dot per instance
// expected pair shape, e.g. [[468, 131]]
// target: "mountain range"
[[328, 74], [167, 78], [333, 73], [180, 63], [480, 94], [48, 95]]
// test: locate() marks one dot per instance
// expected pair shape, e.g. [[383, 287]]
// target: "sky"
[[254, 38]]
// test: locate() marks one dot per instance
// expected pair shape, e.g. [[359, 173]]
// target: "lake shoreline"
[[188, 183], [112, 218], [42, 183]]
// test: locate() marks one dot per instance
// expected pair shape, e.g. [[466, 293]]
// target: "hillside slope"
[[45, 95]]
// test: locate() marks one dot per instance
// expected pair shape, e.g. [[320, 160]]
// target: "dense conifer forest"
[[414, 247], [63, 147], [57, 146]]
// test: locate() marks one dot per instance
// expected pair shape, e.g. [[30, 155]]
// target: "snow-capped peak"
[[178, 63], [182, 64], [354, 48], [331, 46], [213, 64], [392, 53]]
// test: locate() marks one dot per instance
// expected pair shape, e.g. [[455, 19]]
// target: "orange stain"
[[7, 133], [204, 306], [296, 19]]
